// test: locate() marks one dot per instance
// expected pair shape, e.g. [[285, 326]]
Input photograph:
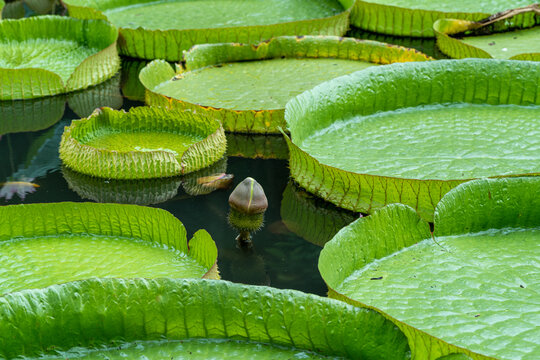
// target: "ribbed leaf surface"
[[508, 39], [45, 244], [364, 128], [416, 18], [94, 313], [142, 143], [162, 30], [473, 286], [50, 55], [250, 96]]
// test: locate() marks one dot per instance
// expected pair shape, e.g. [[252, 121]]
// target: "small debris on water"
[[477, 315], [521, 286], [377, 278], [491, 43]]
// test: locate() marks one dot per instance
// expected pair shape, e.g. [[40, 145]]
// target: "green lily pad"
[[257, 146], [435, 128], [142, 143], [37, 114], [311, 218], [163, 29], [45, 244], [504, 39], [163, 318], [49, 55], [247, 87], [474, 285], [416, 18]]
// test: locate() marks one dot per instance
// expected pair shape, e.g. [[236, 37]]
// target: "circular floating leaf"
[[416, 17], [507, 39], [49, 55], [435, 127], [250, 96], [142, 143], [163, 318], [474, 285], [163, 29], [45, 244]]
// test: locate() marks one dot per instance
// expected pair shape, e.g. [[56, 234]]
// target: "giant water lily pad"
[[504, 39], [142, 143], [474, 285], [247, 86], [50, 55], [416, 17], [45, 244], [165, 318], [438, 124], [163, 29]]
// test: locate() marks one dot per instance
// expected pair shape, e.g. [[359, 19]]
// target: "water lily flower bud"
[[248, 198]]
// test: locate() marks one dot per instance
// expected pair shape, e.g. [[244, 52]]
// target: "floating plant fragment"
[[439, 124], [497, 36], [49, 55], [247, 86], [475, 284], [142, 143], [416, 17], [162, 30], [20, 188], [167, 318], [45, 244]]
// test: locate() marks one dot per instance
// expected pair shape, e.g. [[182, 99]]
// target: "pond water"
[[279, 257]]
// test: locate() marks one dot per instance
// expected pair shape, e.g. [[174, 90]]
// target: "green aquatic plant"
[[164, 29], [46, 244], [499, 36], [248, 204], [247, 87], [49, 55], [416, 17], [165, 318], [432, 130], [142, 143], [16, 9], [473, 284]]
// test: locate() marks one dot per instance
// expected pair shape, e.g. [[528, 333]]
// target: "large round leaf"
[[504, 39], [416, 17], [435, 127], [50, 55], [45, 244], [474, 285], [247, 87], [142, 143], [166, 318], [163, 29]]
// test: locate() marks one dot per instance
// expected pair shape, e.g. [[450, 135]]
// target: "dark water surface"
[[280, 257]]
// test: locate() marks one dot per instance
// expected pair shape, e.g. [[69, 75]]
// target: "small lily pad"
[[435, 128], [46, 244], [504, 39], [163, 29], [474, 284], [199, 319], [142, 143], [416, 17], [49, 55], [247, 87]]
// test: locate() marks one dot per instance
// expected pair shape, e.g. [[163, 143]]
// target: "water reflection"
[[311, 218], [257, 146], [130, 84]]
